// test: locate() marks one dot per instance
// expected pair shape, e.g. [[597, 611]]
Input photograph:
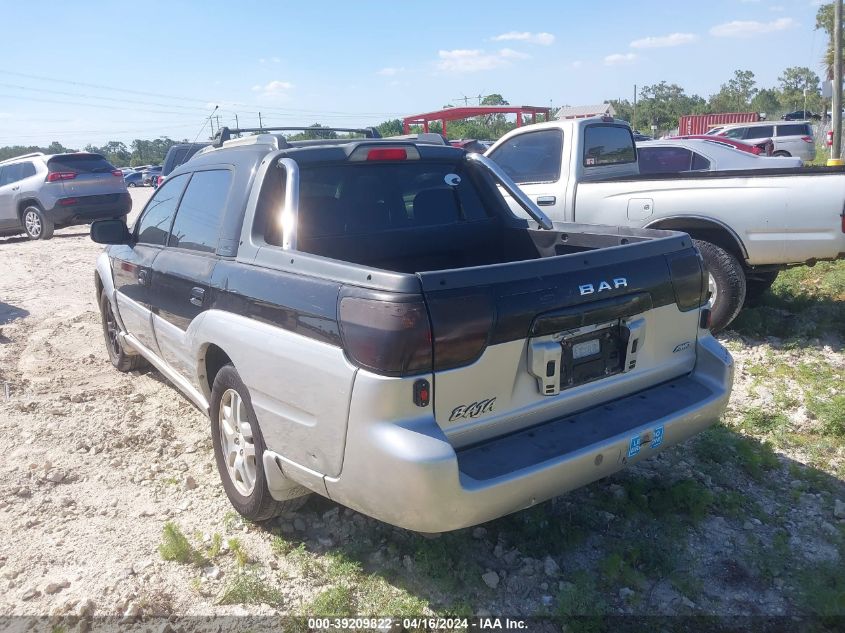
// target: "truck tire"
[[35, 224], [727, 284], [239, 449], [756, 284], [117, 354]]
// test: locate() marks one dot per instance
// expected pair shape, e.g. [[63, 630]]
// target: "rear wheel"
[[35, 223], [781, 153], [111, 332], [239, 449], [131, 184], [756, 284], [726, 282]]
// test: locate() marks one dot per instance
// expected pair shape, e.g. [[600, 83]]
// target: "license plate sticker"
[[586, 348]]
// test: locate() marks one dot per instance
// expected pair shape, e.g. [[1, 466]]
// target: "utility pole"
[[260, 124], [237, 125], [634, 114], [836, 154]]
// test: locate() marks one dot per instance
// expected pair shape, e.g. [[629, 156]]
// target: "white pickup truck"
[[748, 225]]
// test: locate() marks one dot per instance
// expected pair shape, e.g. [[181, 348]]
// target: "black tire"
[[781, 153], [756, 284], [131, 184], [729, 279], [35, 224], [117, 354], [256, 504]]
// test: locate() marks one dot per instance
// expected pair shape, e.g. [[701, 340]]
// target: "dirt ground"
[[95, 463]]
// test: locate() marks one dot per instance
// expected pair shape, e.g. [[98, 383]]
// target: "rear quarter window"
[[795, 129], [608, 145]]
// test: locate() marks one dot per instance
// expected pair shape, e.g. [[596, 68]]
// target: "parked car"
[[673, 156], [470, 145], [790, 138], [801, 115], [398, 340], [764, 147], [134, 179], [178, 154], [42, 192], [150, 175], [747, 226]]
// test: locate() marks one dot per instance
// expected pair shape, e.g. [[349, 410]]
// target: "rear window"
[[795, 129], [664, 160], [80, 163], [608, 145], [348, 199]]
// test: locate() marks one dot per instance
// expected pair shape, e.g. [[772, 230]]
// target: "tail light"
[[159, 180], [117, 173], [388, 153], [807, 139], [386, 334], [689, 277], [55, 176], [461, 326], [756, 150]]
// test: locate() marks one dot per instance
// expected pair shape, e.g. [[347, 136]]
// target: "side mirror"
[[110, 232]]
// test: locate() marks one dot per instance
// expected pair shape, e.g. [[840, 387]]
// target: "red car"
[[765, 146]]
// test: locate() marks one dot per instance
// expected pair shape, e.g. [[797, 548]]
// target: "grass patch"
[[215, 546], [803, 302], [757, 420], [822, 590], [538, 531], [175, 546], [582, 604], [448, 562], [237, 549], [247, 588]]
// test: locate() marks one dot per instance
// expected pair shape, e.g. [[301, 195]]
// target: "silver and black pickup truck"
[[368, 320]]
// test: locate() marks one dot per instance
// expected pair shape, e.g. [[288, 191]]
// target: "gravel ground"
[[96, 462]]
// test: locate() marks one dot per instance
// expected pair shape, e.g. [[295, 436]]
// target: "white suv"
[[791, 138]]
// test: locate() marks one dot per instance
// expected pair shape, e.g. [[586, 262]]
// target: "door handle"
[[546, 201], [143, 277], [15, 188], [197, 296]]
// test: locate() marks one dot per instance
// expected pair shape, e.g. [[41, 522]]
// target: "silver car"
[[40, 193], [791, 138]]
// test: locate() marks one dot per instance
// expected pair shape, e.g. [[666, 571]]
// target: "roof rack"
[[30, 155], [225, 133]]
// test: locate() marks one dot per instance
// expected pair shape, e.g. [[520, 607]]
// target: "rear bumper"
[[86, 209], [409, 475]]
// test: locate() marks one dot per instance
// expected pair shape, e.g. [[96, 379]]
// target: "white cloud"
[[543, 39], [273, 88], [750, 28], [620, 58], [390, 71], [266, 60], [462, 60], [577, 63], [665, 41]]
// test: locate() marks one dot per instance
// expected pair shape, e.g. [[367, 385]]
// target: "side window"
[[11, 174], [154, 225], [761, 131], [3, 172], [531, 157], [737, 132], [795, 129], [608, 145], [664, 160], [27, 170], [699, 163], [197, 224]]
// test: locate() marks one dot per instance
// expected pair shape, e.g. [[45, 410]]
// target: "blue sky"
[[116, 71]]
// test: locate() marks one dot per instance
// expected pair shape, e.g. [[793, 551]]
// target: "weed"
[[334, 601], [581, 598], [280, 545], [216, 544], [822, 590], [448, 562], [232, 521], [757, 420], [175, 546], [237, 549], [339, 566], [247, 588]]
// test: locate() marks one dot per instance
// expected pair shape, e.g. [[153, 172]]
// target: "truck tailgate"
[[518, 343]]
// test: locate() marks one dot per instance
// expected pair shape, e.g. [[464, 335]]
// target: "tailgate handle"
[[591, 313], [197, 296], [546, 201]]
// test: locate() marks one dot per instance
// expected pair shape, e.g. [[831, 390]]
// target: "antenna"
[[206, 122]]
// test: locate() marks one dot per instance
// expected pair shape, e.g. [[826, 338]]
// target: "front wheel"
[[239, 449], [36, 225], [111, 332], [726, 282]]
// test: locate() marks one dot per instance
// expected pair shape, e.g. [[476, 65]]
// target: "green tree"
[[767, 100], [793, 81], [736, 94], [662, 104], [825, 18], [392, 127]]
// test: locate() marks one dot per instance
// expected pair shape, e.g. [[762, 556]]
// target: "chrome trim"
[[513, 189], [290, 210]]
